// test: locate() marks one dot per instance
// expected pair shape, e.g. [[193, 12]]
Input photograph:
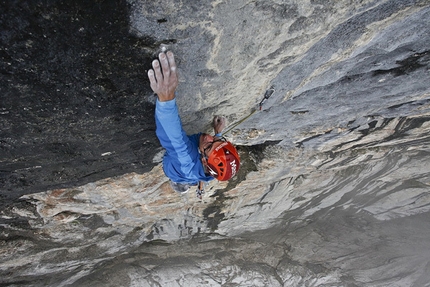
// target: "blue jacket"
[[181, 163]]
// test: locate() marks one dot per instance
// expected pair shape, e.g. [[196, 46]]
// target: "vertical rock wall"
[[334, 185]]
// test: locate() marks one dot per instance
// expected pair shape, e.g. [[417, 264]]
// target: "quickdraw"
[[200, 190], [267, 95]]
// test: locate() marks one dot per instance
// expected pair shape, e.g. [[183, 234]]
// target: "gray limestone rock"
[[335, 178]]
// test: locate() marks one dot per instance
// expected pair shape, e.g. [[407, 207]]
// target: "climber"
[[189, 160]]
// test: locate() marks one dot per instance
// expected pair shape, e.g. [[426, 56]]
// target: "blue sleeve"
[[169, 130], [181, 162]]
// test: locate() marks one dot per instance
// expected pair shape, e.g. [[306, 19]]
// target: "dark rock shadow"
[[74, 104]]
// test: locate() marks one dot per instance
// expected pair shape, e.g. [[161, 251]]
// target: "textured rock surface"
[[334, 189], [73, 106]]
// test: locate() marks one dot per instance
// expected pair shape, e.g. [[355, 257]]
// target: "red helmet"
[[224, 161]]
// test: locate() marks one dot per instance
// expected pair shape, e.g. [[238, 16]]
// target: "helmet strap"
[[204, 162], [206, 167]]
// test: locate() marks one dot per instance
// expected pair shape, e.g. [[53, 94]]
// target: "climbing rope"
[[200, 187], [241, 121], [267, 95]]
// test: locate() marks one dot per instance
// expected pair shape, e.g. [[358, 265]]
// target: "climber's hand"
[[164, 80], [219, 123]]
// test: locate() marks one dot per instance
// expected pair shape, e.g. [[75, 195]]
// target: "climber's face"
[[208, 143]]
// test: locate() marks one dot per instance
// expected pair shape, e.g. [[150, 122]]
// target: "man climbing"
[[189, 160]]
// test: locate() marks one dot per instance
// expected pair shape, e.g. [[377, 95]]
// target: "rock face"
[[334, 185]]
